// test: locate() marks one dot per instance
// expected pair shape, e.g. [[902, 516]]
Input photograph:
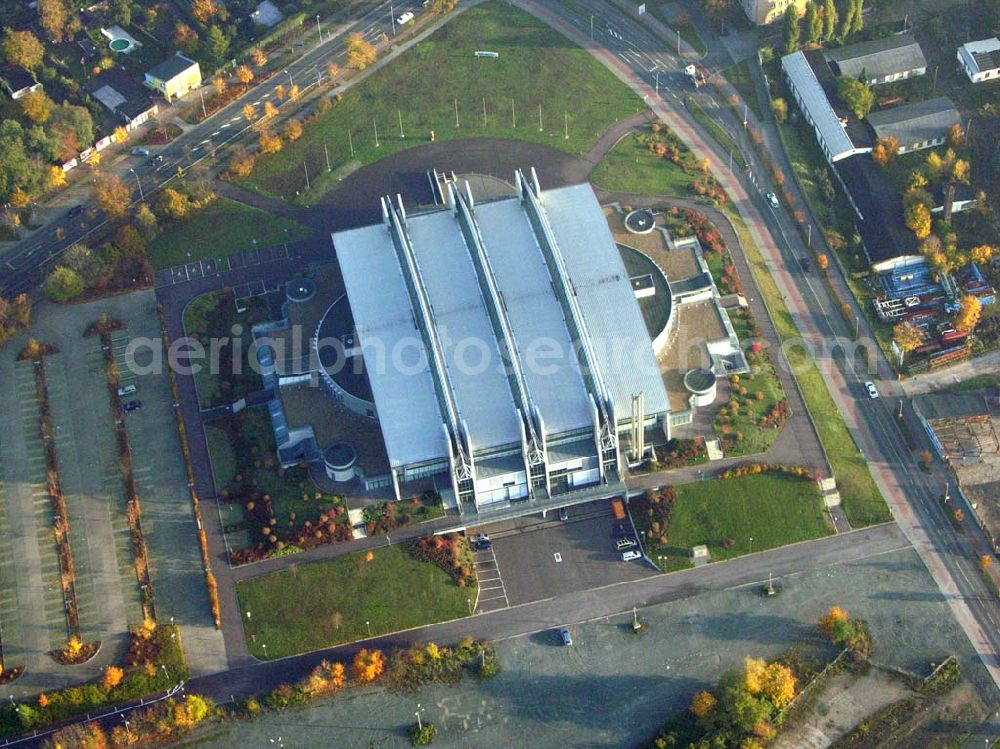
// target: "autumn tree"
[[241, 162], [249, 112], [279, 92], [120, 134], [885, 150], [918, 219], [219, 83], [985, 562], [56, 178], [258, 56], [185, 37], [856, 95], [907, 336], [112, 195], [269, 110], [829, 621], [292, 130], [173, 204], [703, 704], [822, 261], [442, 6], [293, 92], [217, 43], [949, 170], [145, 222], [968, 313], [80, 736], [269, 142], [22, 48], [981, 254], [780, 108], [63, 285], [956, 136], [333, 70], [368, 666], [360, 53], [204, 10], [244, 74], [54, 17], [112, 677]]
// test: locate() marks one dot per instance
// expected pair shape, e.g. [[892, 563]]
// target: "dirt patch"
[[845, 701]]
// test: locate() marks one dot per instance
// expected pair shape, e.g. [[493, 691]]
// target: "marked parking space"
[[492, 592]]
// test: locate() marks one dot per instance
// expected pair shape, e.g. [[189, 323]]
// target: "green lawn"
[[756, 439], [222, 455], [319, 605], [631, 167], [739, 75], [772, 509], [220, 229], [212, 316], [862, 501], [537, 67]]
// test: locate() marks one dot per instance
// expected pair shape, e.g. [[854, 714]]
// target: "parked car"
[[132, 406], [126, 390], [75, 211], [628, 556], [563, 514], [625, 543], [565, 637], [772, 199], [620, 530], [806, 265], [140, 152], [481, 542], [405, 18], [872, 391]]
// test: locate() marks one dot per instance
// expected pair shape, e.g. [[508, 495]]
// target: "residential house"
[[18, 82], [981, 60], [922, 124], [762, 12], [174, 77], [123, 96], [893, 58]]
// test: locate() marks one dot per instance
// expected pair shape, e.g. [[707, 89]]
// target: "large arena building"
[[501, 345]]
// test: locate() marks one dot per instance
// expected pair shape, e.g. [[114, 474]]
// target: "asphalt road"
[[915, 496], [23, 267]]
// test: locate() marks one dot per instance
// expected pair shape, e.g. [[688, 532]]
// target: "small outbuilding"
[[893, 58], [981, 59]]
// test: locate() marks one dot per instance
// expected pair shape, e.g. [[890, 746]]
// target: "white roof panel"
[[813, 98], [472, 355], [548, 357], [401, 384], [621, 344]]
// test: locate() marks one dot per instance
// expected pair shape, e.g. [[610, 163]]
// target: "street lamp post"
[[751, 544], [319, 29], [138, 182], [420, 723], [290, 81], [368, 624], [591, 26]]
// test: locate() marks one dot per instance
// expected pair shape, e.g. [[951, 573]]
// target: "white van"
[[405, 18], [628, 556]]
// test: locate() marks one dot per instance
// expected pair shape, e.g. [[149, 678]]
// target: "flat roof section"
[[555, 382], [480, 385], [404, 393], [622, 347]]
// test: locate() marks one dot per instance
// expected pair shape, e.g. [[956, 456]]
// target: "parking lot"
[[538, 558]]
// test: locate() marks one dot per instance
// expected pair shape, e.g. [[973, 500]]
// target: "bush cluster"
[[654, 509], [450, 552]]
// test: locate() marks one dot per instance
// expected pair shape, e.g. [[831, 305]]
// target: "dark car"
[[621, 530], [563, 514], [481, 542], [132, 406], [806, 265], [75, 211], [565, 637]]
